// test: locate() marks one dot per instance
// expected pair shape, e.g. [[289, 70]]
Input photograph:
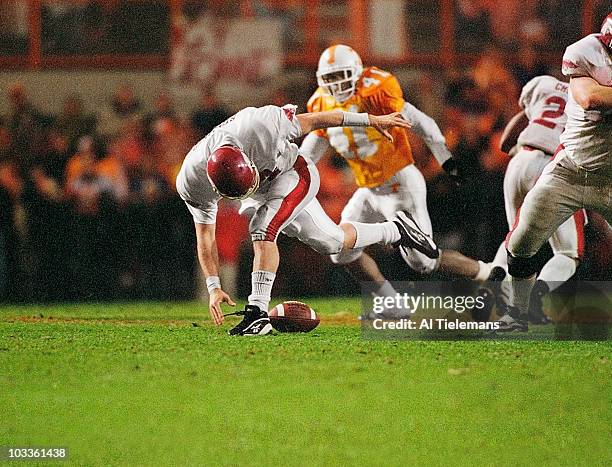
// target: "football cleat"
[[510, 323], [536, 313], [411, 235], [254, 323], [491, 294]]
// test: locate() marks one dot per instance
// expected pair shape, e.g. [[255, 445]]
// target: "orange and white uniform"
[[385, 174], [372, 157]]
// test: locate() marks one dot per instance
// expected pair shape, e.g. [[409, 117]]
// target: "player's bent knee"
[[329, 244], [522, 267], [346, 256]]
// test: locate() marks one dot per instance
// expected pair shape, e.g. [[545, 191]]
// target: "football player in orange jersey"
[[387, 179]]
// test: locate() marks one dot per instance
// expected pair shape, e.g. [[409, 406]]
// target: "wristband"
[[212, 283], [355, 119]]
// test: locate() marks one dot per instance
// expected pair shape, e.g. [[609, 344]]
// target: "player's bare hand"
[[217, 297], [385, 122]]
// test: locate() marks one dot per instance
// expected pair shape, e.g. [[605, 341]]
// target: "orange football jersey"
[[372, 157]]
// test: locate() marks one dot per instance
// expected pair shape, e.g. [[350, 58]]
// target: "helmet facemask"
[[340, 84], [339, 71]]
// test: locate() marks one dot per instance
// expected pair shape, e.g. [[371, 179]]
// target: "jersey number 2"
[[552, 114]]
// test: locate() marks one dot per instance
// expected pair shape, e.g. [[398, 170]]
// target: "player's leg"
[[521, 174], [358, 263], [598, 194], [287, 195], [411, 196], [568, 246], [314, 228], [553, 199]]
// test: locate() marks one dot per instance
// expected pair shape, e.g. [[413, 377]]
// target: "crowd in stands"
[[88, 208]]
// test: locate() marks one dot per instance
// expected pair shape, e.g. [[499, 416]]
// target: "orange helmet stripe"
[[332, 54]]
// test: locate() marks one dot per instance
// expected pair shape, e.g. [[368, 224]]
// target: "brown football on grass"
[[293, 316]]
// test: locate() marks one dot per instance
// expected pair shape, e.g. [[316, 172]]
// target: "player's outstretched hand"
[[384, 122], [217, 297]]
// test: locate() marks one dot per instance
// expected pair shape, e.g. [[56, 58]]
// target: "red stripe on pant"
[[516, 221], [580, 220], [558, 150], [291, 201]]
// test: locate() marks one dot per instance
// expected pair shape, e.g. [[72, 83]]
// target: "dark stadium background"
[[94, 122]]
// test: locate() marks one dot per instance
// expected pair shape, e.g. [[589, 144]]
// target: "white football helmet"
[[606, 31], [339, 70]]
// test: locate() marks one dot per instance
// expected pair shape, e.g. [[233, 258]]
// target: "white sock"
[[369, 234], [558, 269], [261, 289], [385, 290], [483, 272], [501, 257], [521, 289]]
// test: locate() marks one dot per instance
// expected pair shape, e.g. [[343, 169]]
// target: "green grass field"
[[157, 384]]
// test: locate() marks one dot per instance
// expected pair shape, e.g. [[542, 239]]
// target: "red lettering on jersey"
[[289, 112], [556, 100]]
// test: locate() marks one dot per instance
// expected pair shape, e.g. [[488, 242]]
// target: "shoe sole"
[[513, 328], [420, 241]]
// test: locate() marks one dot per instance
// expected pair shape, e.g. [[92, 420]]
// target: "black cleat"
[[488, 298], [491, 295], [536, 313], [510, 323], [413, 237], [497, 274], [254, 323]]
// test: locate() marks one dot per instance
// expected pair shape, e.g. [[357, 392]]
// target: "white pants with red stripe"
[[406, 190], [289, 205], [522, 174], [562, 190]]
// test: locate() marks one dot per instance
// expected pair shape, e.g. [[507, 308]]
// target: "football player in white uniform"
[[250, 155], [580, 175], [532, 136], [387, 179]]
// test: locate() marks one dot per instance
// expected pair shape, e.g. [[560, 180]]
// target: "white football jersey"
[[544, 99], [264, 134], [588, 134]]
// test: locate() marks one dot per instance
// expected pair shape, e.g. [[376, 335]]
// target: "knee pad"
[[419, 262], [346, 256], [521, 267]]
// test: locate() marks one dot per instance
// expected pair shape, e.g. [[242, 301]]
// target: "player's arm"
[[427, 128], [315, 147], [334, 118], [512, 131], [590, 95], [208, 257]]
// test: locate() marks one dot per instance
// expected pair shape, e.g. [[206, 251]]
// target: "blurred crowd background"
[[88, 207]]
